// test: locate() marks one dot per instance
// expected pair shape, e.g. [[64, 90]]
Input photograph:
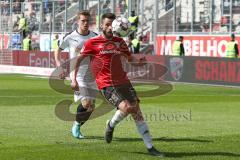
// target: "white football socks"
[[76, 123], [118, 117], [141, 126], [144, 132]]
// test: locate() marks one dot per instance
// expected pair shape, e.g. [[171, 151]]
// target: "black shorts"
[[116, 94]]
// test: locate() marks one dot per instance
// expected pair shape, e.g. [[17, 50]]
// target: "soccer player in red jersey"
[[106, 51]]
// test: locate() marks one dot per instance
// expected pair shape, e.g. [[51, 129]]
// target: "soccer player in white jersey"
[[74, 42]]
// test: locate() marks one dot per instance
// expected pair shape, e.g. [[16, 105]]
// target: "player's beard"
[[108, 34]]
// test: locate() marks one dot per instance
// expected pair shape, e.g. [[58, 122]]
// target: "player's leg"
[[84, 110], [143, 129], [111, 95], [119, 96], [117, 118], [134, 109], [130, 105]]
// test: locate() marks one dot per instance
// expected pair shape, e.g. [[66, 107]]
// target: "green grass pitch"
[[190, 122]]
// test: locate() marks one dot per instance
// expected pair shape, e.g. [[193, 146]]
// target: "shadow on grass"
[[171, 154], [185, 154], [163, 139], [192, 154]]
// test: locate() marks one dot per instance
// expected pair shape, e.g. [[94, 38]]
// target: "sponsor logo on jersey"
[[110, 48]]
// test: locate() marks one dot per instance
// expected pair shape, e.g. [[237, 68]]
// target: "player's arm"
[[134, 61], [57, 53], [74, 83], [57, 58], [137, 61]]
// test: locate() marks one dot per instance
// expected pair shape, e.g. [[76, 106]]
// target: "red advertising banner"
[[221, 71], [195, 45], [36, 58], [4, 41]]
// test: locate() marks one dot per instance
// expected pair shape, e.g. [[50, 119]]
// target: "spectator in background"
[[6, 8], [27, 42], [106, 7], [232, 48], [17, 7], [204, 27], [178, 48], [122, 6], [16, 24], [33, 23], [133, 19], [23, 26], [46, 6], [168, 5], [134, 45], [55, 42]]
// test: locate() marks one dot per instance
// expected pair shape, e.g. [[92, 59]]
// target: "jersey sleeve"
[[87, 48], [124, 48], [65, 43]]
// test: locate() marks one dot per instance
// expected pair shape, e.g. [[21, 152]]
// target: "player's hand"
[[74, 85]]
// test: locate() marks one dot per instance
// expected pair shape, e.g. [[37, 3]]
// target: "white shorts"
[[86, 91]]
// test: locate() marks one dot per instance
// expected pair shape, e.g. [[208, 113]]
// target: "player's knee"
[[129, 108], [133, 107], [88, 104], [91, 107], [124, 107]]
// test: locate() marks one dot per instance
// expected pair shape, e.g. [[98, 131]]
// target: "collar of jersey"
[[106, 38], [82, 34]]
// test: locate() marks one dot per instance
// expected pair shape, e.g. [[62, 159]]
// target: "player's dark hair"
[[83, 13], [109, 16]]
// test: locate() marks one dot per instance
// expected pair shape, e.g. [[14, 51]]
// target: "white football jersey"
[[74, 40]]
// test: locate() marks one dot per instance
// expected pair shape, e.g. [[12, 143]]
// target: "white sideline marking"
[[26, 70], [41, 77]]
